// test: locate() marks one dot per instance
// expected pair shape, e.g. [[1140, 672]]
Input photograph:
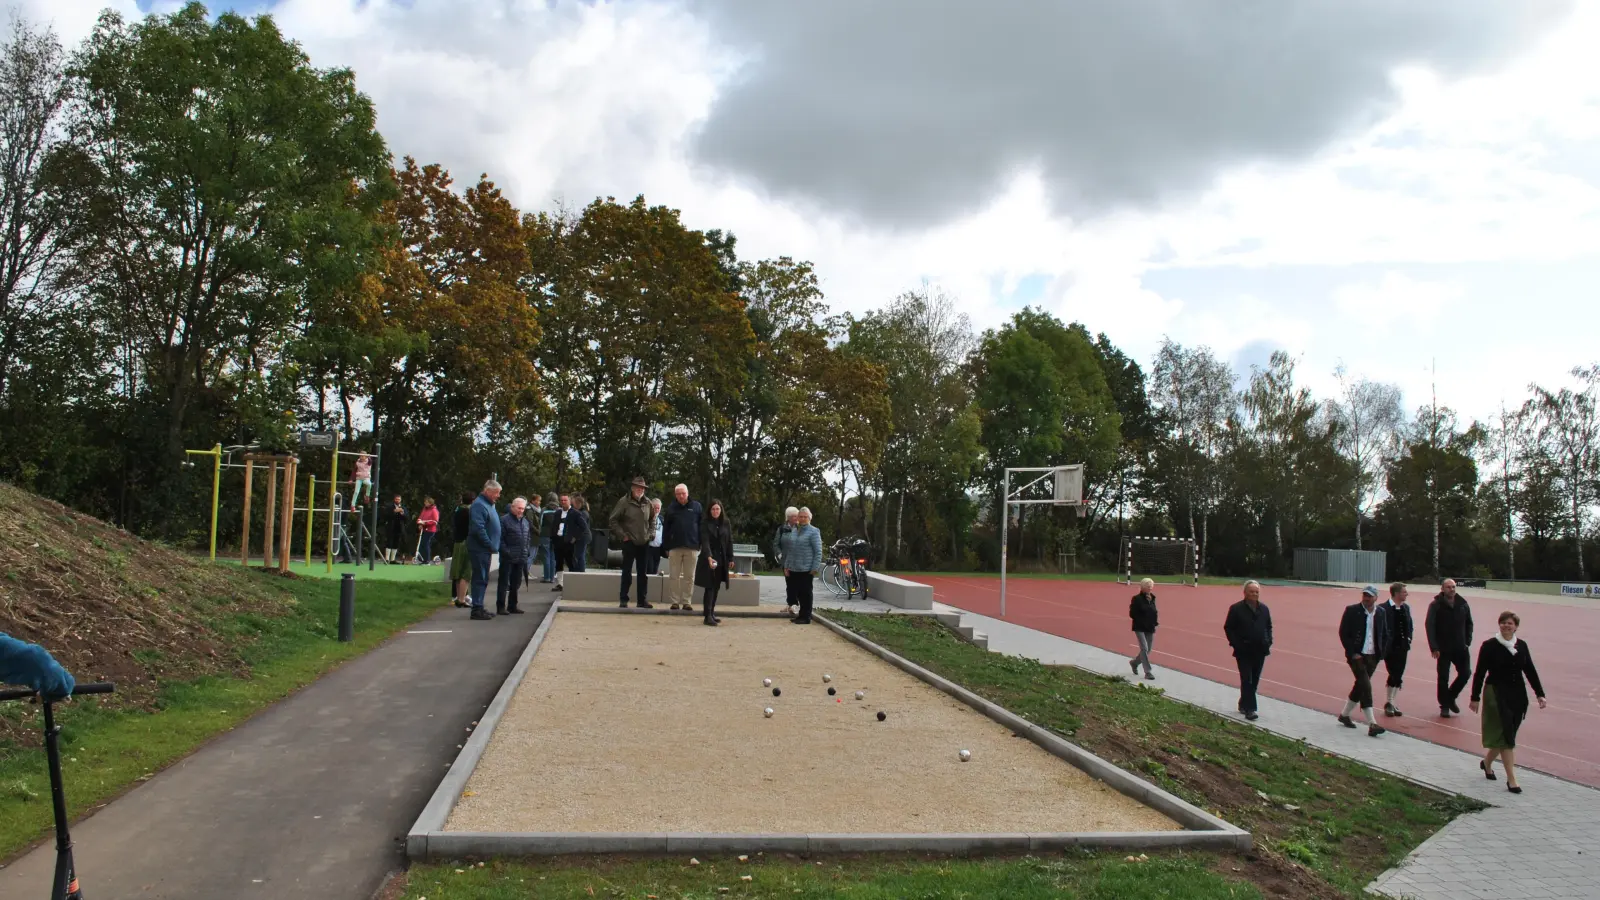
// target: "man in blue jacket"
[[680, 540], [32, 666], [483, 542]]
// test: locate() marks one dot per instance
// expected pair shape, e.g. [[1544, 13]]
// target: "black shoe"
[[642, 605], [712, 621], [1375, 730], [1444, 712], [1134, 665], [688, 608], [515, 611], [1488, 770], [481, 614], [556, 588], [1149, 676], [1345, 721], [799, 621], [1513, 788], [1454, 708], [1389, 709], [1251, 716], [623, 604]]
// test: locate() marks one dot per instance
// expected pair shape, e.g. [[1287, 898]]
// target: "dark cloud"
[[907, 111]]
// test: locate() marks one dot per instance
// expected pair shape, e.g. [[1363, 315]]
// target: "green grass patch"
[[379, 572], [1078, 875], [104, 751], [1339, 819]]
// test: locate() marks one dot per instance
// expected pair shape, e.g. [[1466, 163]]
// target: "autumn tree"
[[1367, 419]]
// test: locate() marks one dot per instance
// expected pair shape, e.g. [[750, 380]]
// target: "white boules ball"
[[766, 682], [826, 677], [767, 712], [965, 755], [861, 695]]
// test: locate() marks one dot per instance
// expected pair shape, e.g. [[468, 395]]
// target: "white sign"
[[1580, 590]]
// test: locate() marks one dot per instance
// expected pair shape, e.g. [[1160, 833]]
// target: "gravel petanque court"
[[646, 723]]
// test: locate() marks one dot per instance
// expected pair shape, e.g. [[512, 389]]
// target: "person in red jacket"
[[428, 522]]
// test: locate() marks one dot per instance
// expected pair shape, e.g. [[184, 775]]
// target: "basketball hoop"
[[1067, 490]]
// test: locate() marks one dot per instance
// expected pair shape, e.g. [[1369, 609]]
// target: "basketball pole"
[[1050, 472], [1005, 519]]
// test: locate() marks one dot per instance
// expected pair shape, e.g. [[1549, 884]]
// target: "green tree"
[[1426, 521], [218, 194]]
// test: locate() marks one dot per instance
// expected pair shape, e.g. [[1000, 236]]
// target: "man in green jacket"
[[633, 524]]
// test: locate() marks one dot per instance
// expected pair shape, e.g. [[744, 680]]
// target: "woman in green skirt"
[[1504, 661]]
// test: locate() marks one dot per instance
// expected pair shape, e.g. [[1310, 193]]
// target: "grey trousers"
[[1147, 640]]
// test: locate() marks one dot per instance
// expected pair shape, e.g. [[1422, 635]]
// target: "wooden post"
[[272, 508], [244, 536], [291, 471], [311, 508]]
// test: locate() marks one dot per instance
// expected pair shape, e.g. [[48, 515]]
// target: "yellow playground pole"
[[216, 487], [333, 488], [311, 508]]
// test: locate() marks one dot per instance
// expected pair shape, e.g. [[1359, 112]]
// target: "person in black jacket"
[[1249, 631], [395, 529], [680, 540], [1449, 627], [1401, 628], [1364, 633], [460, 563], [1143, 613], [1504, 661], [515, 539], [716, 558]]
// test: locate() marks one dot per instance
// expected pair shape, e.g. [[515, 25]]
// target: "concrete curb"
[[431, 822], [1205, 829], [428, 839], [744, 613]]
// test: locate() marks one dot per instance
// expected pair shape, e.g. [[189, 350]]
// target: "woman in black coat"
[[1143, 613], [1504, 661], [716, 558]]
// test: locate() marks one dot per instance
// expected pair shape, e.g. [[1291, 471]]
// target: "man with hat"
[[632, 523], [1364, 633]]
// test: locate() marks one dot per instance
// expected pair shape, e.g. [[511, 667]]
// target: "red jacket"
[[429, 517]]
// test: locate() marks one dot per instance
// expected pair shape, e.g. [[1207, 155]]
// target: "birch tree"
[[1568, 424], [1367, 418], [1195, 393]]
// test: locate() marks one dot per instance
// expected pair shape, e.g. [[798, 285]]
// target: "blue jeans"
[[549, 558], [425, 553], [511, 572], [1250, 666], [480, 576]]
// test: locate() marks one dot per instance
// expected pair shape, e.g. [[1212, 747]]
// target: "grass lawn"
[[379, 572], [105, 752], [1074, 875]]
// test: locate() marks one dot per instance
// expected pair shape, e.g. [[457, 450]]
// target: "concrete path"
[[311, 798], [1540, 845]]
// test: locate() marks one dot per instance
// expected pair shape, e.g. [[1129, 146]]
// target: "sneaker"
[[1345, 721], [556, 588], [1374, 730], [481, 614]]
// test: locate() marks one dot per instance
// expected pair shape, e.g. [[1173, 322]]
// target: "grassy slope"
[[193, 648]]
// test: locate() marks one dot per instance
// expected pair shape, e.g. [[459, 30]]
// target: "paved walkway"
[[1540, 845], [312, 797]]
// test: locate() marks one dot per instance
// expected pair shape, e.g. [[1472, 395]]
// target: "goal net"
[[1172, 560]]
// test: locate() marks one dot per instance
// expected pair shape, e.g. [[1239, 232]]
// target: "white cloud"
[[570, 101]]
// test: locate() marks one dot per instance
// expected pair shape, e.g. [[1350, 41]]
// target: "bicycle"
[[846, 569], [65, 885]]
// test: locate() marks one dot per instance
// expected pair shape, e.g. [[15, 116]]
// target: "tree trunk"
[[1511, 534], [1436, 543], [1358, 524], [1577, 531], [899, 518]]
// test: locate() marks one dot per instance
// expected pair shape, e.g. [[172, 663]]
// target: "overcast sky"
[[1361, 181]]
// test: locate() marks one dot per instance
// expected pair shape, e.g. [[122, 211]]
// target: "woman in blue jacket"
[[802, 560], [31, 665]]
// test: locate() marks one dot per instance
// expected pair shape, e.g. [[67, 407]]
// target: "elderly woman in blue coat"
[[802, 560]]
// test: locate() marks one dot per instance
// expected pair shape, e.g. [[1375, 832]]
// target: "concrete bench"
[[494, 569], [744, 558], [602, 585], [899, 592]]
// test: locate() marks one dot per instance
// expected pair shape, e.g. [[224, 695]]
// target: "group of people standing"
[[481, 531], [1371, 633], [697, 542]]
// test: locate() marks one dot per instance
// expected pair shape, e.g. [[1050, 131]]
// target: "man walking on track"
[[680, 526], [1449, 627], [1401, 628], [483, 541], [633, 523], [1364, 632], [1249, 631]]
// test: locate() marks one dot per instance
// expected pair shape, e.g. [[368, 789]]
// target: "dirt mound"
[[111, 606]]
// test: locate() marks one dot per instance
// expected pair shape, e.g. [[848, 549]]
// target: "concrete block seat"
[[603, 585], [899, 591]]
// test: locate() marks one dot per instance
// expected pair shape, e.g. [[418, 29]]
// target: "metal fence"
[[1315, 564]]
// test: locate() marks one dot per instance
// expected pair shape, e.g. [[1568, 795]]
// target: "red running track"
[[1307, 667]]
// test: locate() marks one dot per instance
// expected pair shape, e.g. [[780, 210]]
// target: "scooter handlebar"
[[90, 687]]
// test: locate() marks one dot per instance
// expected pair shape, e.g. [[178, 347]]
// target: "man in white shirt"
[[1364, 634]]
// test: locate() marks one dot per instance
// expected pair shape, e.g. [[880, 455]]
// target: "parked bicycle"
[[845, 569], [65, 884]]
